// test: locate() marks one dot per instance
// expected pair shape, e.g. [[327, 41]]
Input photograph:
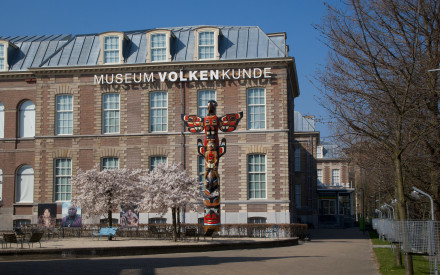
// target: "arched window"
[[25, 184], [27, 119], [2, 120]]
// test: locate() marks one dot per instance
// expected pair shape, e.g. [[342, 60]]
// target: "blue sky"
[[295, 17]]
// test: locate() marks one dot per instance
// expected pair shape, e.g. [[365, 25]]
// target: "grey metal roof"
[[234, 43], [32, 51], [331, 151], [303, 123]]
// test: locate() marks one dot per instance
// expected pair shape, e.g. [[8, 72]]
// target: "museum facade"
[[115, 100]]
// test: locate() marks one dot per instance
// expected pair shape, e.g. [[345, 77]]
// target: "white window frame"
[[27, 119], [2, 120], [111, 160], [64, 114], [168, 35], [114, 127], [7, 46], [336, 177], [319, 177], [319, 151], [25, 195], [3, 56], [154, 127], [63, 175], [217, 33], [253, 123], [203, 97], [102, 39], [260, 191], [155, 160]]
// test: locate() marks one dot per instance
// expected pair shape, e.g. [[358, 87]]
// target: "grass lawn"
[[385, 258]]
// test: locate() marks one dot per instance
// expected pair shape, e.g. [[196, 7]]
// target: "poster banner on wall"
[[47, 213], [129, 215], [71, 215]]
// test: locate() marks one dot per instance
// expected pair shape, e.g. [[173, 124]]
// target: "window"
[[2, 120], [64, 115], [105, 221], [157, 220], [111, 49], [110, 113], [257, 176], [335, 177], [328, 207], [154, 161], [201, 171], [159, 112], [319, 152], [25, 184], [63, 174], [256, 101], [110, 163], [1, 185], [206, 45], [27, 119], [2, 57], [202, 101], [21, 222], [257, 220], [297, 158], [158, 47], [298, 195], [319, 176]]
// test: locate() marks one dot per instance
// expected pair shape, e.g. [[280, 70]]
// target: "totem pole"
[[211, 150]]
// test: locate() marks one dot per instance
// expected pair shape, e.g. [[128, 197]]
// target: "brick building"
[[115, 99]]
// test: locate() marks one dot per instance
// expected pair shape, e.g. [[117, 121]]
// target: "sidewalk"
[[123, 246]]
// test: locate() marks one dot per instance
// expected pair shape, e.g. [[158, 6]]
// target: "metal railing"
[[417, 237]]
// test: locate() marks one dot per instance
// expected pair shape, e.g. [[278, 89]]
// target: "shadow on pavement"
[[119, 265]]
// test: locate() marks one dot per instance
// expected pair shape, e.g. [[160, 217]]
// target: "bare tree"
[[375, 80]]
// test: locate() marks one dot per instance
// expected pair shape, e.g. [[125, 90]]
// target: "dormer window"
[[5, 48], [207, 44], [2, 57], [111, 49], [159, 46], [112, 44]]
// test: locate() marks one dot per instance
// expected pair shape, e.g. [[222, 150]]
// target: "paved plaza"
[[330, 251]]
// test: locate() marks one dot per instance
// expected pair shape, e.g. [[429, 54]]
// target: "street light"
[[387, 205], [416, 194], [378, 212]]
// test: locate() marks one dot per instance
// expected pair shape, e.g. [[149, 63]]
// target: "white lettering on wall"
[[183, 76]]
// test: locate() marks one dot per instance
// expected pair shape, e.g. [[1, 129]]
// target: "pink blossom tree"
[[99, 192], [170, 187]]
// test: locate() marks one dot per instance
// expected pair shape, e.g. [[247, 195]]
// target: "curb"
[[144, 250]]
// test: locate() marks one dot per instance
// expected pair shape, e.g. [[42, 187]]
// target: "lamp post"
[[415, 193], [387, 205]]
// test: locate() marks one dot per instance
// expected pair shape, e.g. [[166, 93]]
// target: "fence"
[[417, 237], [144, 230]]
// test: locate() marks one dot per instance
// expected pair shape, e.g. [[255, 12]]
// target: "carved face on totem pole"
[[211, 150]]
